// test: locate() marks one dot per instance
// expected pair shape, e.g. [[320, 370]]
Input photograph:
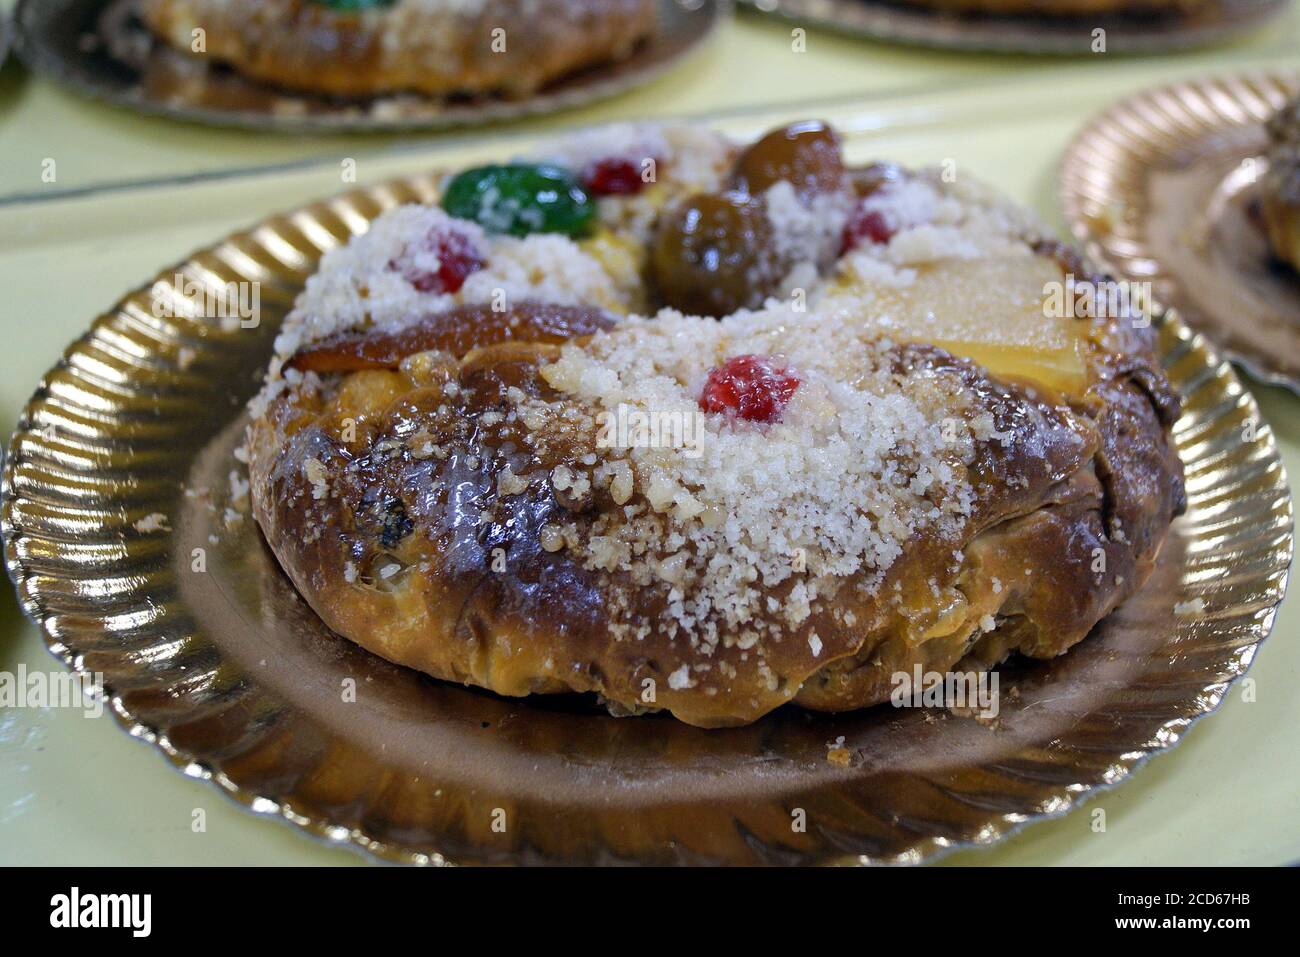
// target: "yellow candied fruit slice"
[[991, 311], [623, 260], [370, 391]]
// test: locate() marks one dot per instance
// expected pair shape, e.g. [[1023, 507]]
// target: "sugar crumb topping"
[[858, 464]]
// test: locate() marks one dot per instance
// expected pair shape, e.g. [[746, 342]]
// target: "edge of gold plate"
[[228, 673]]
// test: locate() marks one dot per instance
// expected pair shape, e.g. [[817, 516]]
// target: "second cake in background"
[[435, 47], [1059, 8], [1279, 204]]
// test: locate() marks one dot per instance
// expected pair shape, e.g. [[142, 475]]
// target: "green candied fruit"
[[520, 199], [354, 4]]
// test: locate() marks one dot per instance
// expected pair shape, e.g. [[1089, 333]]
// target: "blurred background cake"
[[1058, 8], [1279, 204], [435, 47]]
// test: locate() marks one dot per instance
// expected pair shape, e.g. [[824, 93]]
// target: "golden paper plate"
[[1213, 21], [1159, 188], [100, 48], [112, 513]]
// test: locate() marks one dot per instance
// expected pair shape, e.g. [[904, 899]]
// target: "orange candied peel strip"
[[456, 330]]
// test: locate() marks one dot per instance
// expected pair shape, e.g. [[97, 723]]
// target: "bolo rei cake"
[[435, 47], [871, 426], [1279, 199]]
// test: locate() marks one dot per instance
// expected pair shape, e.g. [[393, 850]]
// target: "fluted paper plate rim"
[[1192, 361]]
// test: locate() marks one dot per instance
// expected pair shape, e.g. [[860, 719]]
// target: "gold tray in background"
[[1159, 188], [232, 677], [1212, 21], [97, 48]]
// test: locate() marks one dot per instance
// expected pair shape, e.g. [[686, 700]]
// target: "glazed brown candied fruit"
[[715, 253], [806, 155]]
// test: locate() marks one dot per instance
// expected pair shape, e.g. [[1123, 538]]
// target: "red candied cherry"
[[457, 254], [755, 388], [866, 225], [615, 176]]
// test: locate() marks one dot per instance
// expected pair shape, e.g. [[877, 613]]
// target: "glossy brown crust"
[[1279, 201], [393, 550], [422, 48]]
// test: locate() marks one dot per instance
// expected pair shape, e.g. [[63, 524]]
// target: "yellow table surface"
[[748, 64], [134, 194]]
